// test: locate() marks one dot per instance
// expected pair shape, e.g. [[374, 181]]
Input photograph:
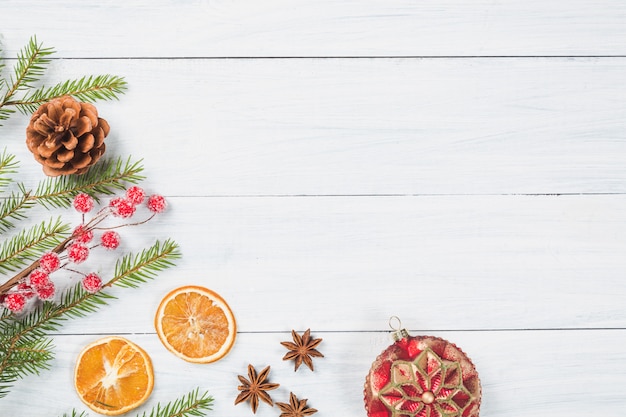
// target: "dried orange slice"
[[113, 376], [195, 324]]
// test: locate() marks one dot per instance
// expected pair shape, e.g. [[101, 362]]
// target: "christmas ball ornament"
[[66, 136], [422, 376]]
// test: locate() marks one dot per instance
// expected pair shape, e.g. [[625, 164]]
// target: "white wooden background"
[[460, 164]]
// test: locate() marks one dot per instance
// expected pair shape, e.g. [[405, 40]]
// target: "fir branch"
[[192, 404], [103, 178], [28, 245], [30, 67], [5, 113], [75, 414], [132, 270], [2, 80], [13, 208], [88, 88], [15, 333], [8, 165], [22, 356]]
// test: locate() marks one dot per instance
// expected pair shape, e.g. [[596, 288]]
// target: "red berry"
[[77, 252], [157, 203], [49, 262], [25, 289], [123, 208], [82, 235], [115, 202], [92, 283], [15, 302], [83, 202], [46, 291], [110, 239], [38, 278], [135, 194]]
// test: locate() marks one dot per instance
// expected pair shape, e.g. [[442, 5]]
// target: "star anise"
[[295, 408], [302, 349], [255, 387]]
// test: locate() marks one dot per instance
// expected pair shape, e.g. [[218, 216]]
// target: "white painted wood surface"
[[469, 179]]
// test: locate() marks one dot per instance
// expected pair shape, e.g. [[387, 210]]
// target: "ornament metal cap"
[[399, 332]]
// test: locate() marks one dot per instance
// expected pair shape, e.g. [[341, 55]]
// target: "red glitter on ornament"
[[77, 252], [49, 262], [157, 203], [135, 194], [92, 283], [15, 302], [38, 278], [46, 291], [83, 203], [82, 235], [110, 239]]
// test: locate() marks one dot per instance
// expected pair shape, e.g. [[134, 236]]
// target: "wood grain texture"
[[530, 373], [332, 163], [452, 262], [209, 28], [396, 126]]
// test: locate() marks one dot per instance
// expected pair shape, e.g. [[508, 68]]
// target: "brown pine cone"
[[66, 136]]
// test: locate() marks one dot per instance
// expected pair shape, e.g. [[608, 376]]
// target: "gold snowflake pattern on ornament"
[[428, 386]]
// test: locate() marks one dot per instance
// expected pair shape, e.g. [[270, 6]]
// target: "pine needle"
[[8, 166], [32, 61], [88, 88], [17, 335], [103, 178], [132, 270], [75, 414], [192, 404], [28, 245], [14, 208]]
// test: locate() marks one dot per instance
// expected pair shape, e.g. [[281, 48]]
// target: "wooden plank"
[[394, 126], [320, 28], [523, 374], [445, 263]]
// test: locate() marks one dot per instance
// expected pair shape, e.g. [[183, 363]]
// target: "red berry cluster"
[[77, 248]]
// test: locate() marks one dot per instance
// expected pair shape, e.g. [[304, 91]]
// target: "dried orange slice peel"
[[113, 376], [195, 324]]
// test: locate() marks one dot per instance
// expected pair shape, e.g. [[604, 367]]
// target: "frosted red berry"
[[25, 289], [83, 202], [46, 291], [15, 302], [157, 203], [123, 208], [38, 278], [110, 239], [49, 262], [92, 283], [78, 252], [135, 195], [82, 234], [115, 202]]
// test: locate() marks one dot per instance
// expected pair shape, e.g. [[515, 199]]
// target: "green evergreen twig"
[[88, 88], [19, 337], [8, 166], [192, 404], [103, 178], [13, 208], [27, 246], [75, 414], [31, 64]]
